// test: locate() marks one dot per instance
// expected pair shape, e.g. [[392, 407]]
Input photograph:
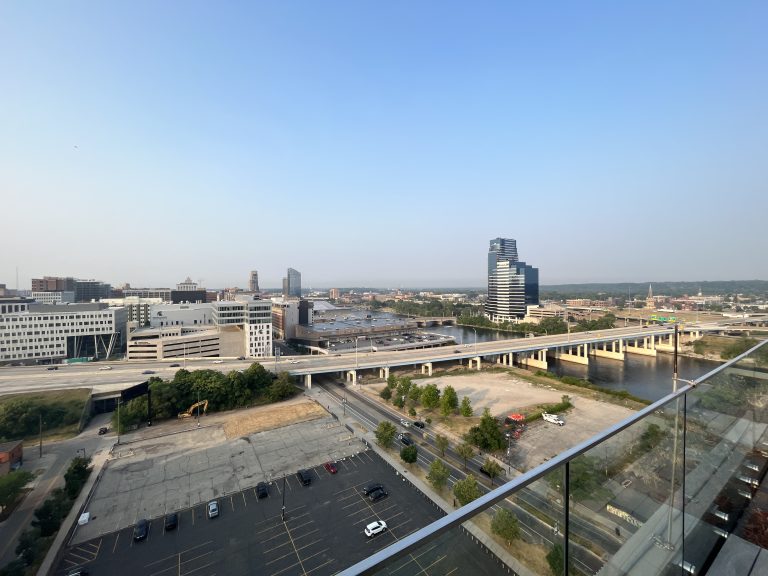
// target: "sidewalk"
[[474, 532], [69, 525]]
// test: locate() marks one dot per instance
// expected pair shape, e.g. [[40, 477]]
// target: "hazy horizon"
[[382, 144]]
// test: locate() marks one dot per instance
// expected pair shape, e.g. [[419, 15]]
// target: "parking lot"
[[322, 532]]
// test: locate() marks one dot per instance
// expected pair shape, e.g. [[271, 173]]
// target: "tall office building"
[[84, 290], [253, 281], [512, 285], [292, 284]]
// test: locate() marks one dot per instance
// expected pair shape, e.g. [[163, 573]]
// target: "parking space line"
[[270, 550], [284, 569], [81, 558], [193, 516], [178, 554], [316, 474], [232, 502], [321, 565], [244, 502], [116, 539], [365, 453], [288, 531]]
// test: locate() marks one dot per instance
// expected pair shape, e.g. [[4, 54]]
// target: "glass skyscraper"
[[292, 284], [512, 285]]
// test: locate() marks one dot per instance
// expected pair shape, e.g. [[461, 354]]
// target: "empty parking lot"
[[322, 532]]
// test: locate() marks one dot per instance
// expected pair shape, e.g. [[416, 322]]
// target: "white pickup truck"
[[553, 418]]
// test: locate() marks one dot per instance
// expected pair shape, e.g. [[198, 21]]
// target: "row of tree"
[[34, 542], [21, 416], [404, 392], [236, 389]]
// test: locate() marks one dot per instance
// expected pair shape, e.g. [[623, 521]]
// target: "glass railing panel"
[[625, 513], [726, 463]]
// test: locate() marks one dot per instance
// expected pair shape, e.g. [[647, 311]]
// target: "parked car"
[[141, 530], [377, 495], [372, 488], [262, 490], [330, 467], [106, 368], [174, 365], [213, 508], [374, 528], [553, 419], [103, 430], [171, 521], [419, 424], [304, 477]]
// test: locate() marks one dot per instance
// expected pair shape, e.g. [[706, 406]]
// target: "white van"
[[553, 418]]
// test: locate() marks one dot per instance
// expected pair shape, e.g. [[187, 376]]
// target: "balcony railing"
[[677, 488]]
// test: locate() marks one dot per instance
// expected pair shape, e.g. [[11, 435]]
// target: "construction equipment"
[[190, 412]]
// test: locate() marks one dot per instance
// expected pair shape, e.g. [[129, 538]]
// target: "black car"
[[241, 357], [174, 365], [103, 430], [372, 488], [141, 530], [171, 521], [377, 495], [304, 477], [419, 424], [148, 372], [405, 439], [52, 368], [262, 490]]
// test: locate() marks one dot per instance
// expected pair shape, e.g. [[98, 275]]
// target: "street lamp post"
[[475, 331], [283, 511], [118, 420]]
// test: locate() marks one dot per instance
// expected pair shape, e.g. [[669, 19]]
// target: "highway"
[[15, 379]]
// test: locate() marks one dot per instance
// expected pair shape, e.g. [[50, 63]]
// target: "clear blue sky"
[[382, 143]]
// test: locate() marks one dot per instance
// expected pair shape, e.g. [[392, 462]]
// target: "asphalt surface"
[[14, 379], [322, 533]]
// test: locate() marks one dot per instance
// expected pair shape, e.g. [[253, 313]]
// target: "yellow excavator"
[[191, 411]]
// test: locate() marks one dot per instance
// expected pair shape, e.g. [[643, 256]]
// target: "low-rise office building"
[[139, 309], [11, 456], [59, 297], [33, 332]]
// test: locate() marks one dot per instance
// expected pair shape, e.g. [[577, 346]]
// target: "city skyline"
[[382, 145]]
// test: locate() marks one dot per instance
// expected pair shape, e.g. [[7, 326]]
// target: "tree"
[[450, 401], [487, 435], [385, 433], [392, 382], [409, 453], [492, 468], [466, 490], [505, 524], [466, 407], [386, 393], [282, 388], [398, 401], [412, 412], [75, 476], [465, 451], [414, 393], [11, 486], [442, 443], [438, 474], [49, 515], [430, 396], [27, 547]]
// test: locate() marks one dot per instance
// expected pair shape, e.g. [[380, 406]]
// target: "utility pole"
[[198, 408], [118, 420], [283, 511]]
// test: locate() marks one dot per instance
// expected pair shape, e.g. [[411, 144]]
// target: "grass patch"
[[61, 411], [580, 383]]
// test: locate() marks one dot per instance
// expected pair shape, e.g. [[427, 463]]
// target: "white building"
[[172, 342], [181, 315], [139, 309], [32, 332], [54, 297], [253, 317], [536, 314]]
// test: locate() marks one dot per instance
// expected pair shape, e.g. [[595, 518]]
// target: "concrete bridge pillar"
[[384, 373], [352, 377], [602, 351], [308, 381], [426, 368], [474, 360]]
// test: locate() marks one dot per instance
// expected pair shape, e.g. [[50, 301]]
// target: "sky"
[[382, 143]]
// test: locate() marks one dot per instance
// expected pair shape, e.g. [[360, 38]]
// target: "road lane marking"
[[115, 546]]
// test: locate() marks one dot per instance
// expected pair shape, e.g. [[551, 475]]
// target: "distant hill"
[[708, 288]]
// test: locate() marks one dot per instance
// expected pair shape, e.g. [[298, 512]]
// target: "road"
[[371, 413], [125, 373], [50, 469]]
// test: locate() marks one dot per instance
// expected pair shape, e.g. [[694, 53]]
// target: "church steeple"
[[649, 303]]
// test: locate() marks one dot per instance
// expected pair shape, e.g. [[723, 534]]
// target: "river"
[[642, 376]]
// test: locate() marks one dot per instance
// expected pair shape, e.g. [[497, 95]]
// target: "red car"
[[331, 467]]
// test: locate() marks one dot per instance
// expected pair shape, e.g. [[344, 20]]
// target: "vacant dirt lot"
[[269, 417], [503, 393]]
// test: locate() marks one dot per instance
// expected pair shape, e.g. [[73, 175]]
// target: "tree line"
[[236, 389]]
